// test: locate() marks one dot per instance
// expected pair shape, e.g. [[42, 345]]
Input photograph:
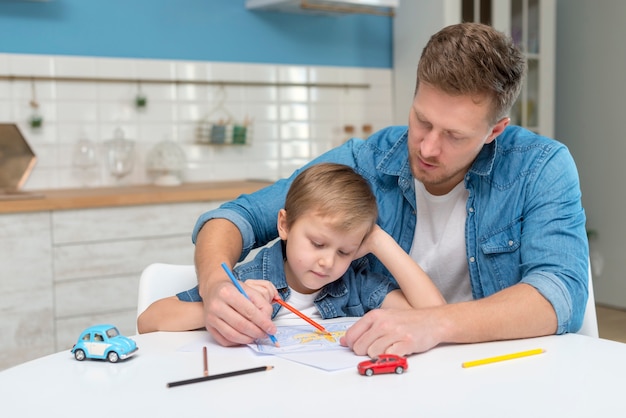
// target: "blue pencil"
[[243, 292]]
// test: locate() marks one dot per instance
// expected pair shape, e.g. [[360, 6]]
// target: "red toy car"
[[385, 363]]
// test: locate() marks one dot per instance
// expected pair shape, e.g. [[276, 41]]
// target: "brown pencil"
[[206, 361]]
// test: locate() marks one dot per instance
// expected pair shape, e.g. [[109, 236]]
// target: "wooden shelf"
[[66, 199]]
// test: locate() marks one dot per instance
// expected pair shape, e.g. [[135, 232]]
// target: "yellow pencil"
[[502, 358]]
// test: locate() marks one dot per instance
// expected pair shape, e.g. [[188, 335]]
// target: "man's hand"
[[232, 319], [519, 311], [401, 332], [228, 316]]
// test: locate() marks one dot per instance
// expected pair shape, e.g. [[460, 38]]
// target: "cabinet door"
[[26, 288], [532, 26], [98, 255]]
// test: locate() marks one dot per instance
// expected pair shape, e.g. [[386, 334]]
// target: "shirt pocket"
[[501, 257]]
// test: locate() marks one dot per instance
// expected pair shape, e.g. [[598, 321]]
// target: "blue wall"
[[204, 30]]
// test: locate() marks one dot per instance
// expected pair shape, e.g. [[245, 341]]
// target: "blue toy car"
[[103, 342]]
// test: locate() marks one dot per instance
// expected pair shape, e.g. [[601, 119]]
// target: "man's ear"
[[498, 128], [281, 224]]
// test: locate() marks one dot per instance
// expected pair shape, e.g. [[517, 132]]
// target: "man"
[[491, 212]]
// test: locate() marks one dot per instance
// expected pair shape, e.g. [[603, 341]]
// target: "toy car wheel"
[[113, 357], [79, 355], [369, 372], [399, 370]]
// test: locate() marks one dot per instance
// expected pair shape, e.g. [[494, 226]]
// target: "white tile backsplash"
[[71, 132], [149, 69], [260, 94], [295, 112], [115, 68], [263, 112], [325, 95], [121, 92], [76, 66], [293, 74], [35, 65], [295, 130], [23, 91], [189, 93], [6, 111], [4, 64], [260, 73], [188, 70], [81, 112], [289, 125], [224, 71], [77, 91], [324, 75], [293, 94]]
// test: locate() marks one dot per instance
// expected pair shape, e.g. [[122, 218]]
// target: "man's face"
[[446, 133]]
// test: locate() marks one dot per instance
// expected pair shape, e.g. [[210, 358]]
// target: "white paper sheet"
[[306, 345], [301, 343]]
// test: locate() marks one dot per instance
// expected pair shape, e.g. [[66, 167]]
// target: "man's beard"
[[437, 180]]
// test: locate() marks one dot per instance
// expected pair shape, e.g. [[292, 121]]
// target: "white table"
[[578, 376]]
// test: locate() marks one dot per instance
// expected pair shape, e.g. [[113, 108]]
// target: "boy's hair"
[[476, 60], [335, 191]]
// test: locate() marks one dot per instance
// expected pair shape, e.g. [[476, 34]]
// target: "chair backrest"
[[162, 280], [590, 320]]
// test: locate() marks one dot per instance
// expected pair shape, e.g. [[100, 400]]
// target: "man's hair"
[[335, 191], [476, 60]]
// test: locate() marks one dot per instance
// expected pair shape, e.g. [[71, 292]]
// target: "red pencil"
[[301, 315]]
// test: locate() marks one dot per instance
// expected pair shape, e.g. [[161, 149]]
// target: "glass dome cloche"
[[165, 164]]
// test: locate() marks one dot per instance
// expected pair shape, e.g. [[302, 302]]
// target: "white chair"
[[590, 320], [160, 280]]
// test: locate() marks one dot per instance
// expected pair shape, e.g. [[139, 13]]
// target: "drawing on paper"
[[303, 338], [317, 335]]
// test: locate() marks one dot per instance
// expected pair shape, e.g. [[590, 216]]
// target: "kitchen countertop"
[[65, 199]]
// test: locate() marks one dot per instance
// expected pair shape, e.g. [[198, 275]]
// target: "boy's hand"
[[264, 287], [370, 243]]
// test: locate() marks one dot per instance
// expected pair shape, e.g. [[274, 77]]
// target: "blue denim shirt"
[[358, 291], [525, 222]]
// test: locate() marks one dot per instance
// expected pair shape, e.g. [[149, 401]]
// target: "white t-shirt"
[[439, 241], [303, 303]]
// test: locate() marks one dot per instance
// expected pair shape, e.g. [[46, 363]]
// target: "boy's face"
[[317, 252]]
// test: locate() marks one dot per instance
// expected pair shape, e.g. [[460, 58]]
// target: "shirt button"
[[510, 243], [472, 259], [471, 210]]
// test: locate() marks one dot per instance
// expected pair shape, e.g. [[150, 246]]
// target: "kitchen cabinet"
[[63, 271], [98, 255], [26, 287], [531, 24], [64, 268]]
